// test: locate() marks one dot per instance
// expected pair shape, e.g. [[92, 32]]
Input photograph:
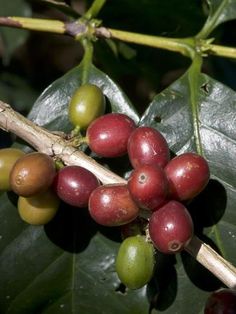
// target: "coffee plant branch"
[[61, 149], [84, 28], [52, 144]]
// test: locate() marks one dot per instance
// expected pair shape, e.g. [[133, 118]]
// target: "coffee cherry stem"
[[59, 164], [75, 137], [52, 144], [77, 141], [75, 131], [87, 59]]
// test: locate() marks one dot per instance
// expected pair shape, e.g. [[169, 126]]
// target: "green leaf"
[[16, 91], [173, 112], [13, 38], [51, 107], [68, 265], [62, 7], [65, 267], [220, 11]]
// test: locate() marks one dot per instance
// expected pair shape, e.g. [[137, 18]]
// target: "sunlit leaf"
[[220, 11]]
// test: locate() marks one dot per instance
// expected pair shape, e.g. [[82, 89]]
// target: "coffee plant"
[[118, 173]]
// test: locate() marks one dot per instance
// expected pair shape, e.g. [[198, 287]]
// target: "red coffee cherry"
[[171, 227], [188, 174], [222, 301], [108, 135], [148, 186], [112, 205], [74, 184], [146, 145]]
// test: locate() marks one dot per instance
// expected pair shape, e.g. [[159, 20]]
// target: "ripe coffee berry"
[[148, 186], [171, 227], [112, 205], [74, 184], [146, 145], [32, 174], [108, 135], [222, 301], [188, 174]]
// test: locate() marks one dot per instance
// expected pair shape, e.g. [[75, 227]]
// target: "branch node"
[[75, 28], [102, 32]]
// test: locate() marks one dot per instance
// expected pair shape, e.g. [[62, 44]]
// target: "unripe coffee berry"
[[38, 209], [8, 157], [135, 262], [87, 103]]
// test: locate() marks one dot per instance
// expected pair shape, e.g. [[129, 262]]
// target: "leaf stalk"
[[95, 8]]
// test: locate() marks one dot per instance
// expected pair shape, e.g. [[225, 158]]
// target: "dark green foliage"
[[68, 266]]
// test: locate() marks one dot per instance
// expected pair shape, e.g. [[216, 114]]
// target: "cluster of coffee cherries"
[[157, 188], [30, 176]]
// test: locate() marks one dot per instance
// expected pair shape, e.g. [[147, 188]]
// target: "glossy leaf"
[[220, 11], [68, 266], [51, 107], [70, 262], [62, 6], [173, 113], [13, 38], [224, 10], [65, 267]]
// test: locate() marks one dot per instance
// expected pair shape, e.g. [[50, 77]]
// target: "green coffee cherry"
[[8, 157], [38, 209], [135, 262], [87, 103]]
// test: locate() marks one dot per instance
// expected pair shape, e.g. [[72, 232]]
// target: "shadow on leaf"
[[112, 233], [71, 229], [198, 274], [209, 207], [13, 198], [162, 289]]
